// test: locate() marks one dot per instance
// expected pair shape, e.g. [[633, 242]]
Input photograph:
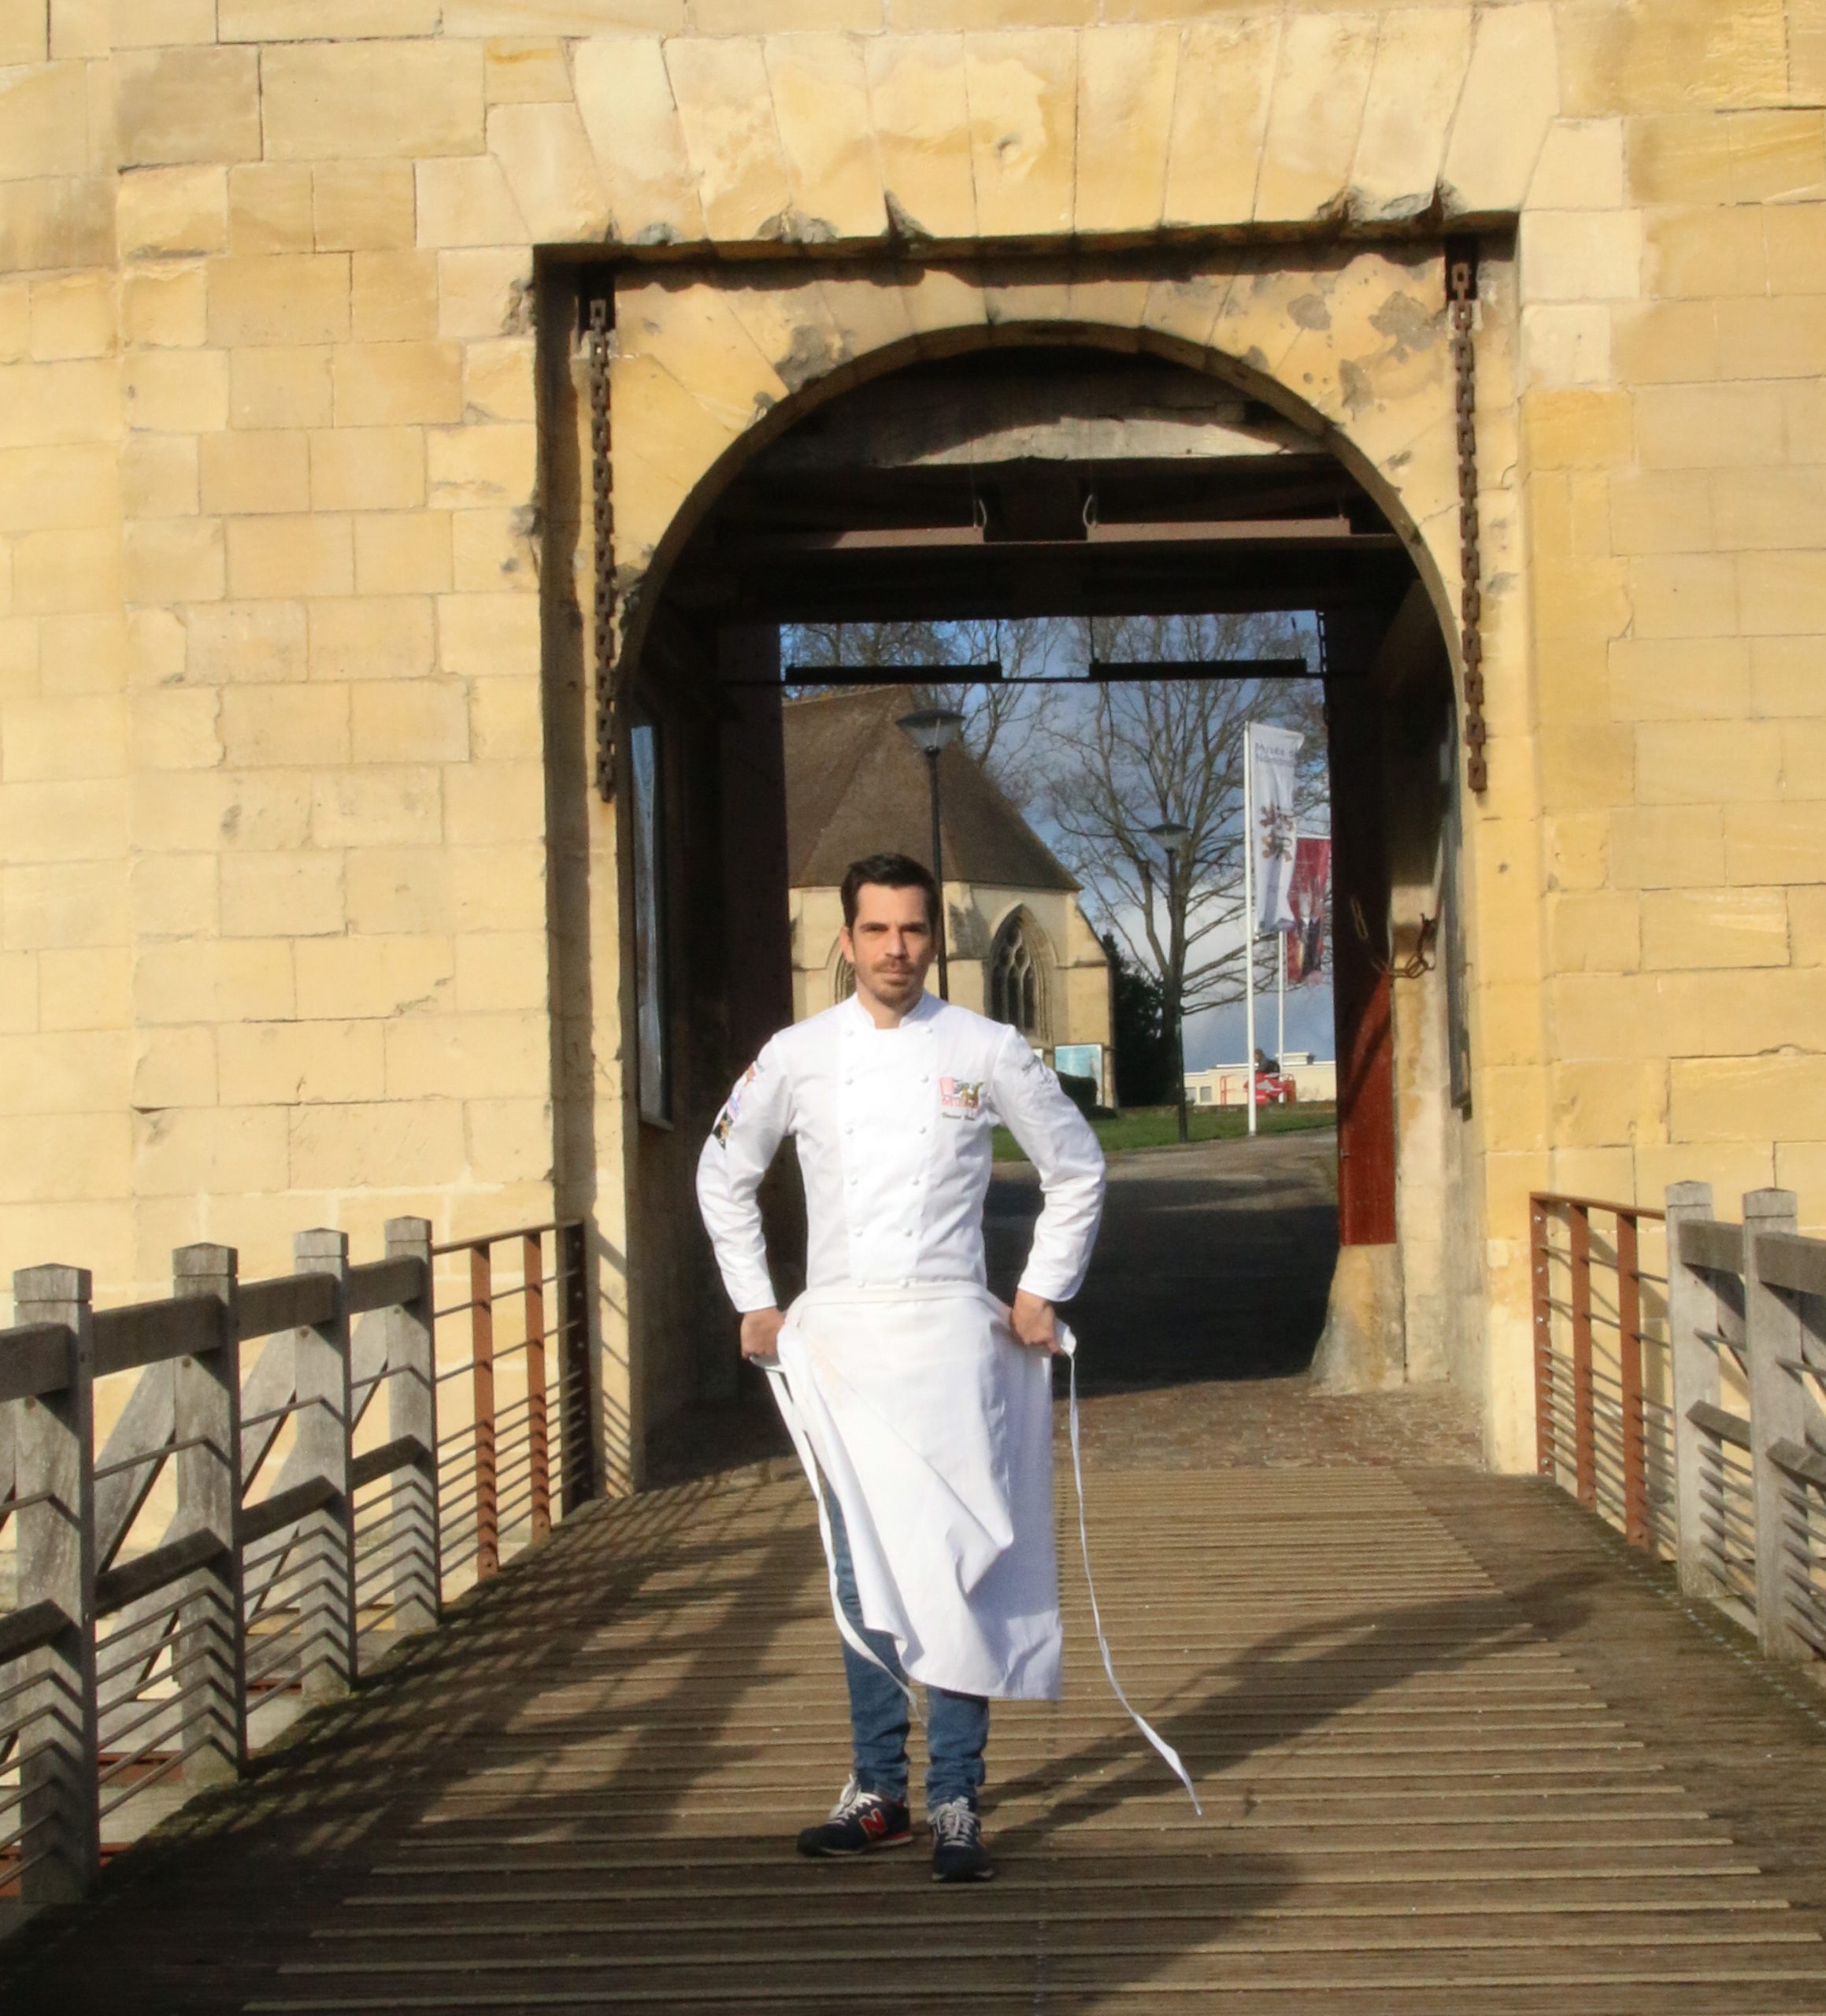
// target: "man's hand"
[[761, 1329], [1034, 1323]]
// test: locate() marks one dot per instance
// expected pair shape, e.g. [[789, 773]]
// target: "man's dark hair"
[[889, 871]]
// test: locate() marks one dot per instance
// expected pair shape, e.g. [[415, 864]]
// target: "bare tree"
[[1120, 758], [1002, 722]]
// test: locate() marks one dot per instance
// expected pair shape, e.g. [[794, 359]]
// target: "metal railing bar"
[[499, 1237], [164, 1770]]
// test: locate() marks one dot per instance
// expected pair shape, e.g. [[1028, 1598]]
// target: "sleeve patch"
[[731, 1110]]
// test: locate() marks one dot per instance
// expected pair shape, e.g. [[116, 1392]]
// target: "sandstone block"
[[159, 477], [24, 31], [484, 292], [365, 206], [1796, 237], [566, 17], [820, 109], [1567, 345], [922, 119], [1707, 763], [1803, 759], [281, 557], [216, 1150], [411, 722], [551, 172], [1661, 511], [199, 810], [62, 737], [1756, 1099], [367, 469], [1784, 677], [259, 641], [1709, 426], [282, 388], [155, 647], [1315, 115], [1574, 429], [1706, 254], [390, 807], [149, 24], [395, 297], [1581, 255], [85, 652], [1678, 158], [18, 992], [1775, 844], [174, 728], [1770, 509], [499, 379], [1778, 157], [386, 1145], [43, 121], [1807, 925], [163, 307], [1775, 338], [1685, 595], [1611, 1104], [166, 560], [1580, 168], [1782, 594], [280, 727], [324, 21], [726, 114], [379, 975], [510, 1140], [1022, 88], [341, 102], [297, 895], [505, 723], [1584, 766], [479, 466], [58, 220], [300, 1063], [525, 70], [65, 905], [1514, 1100], [42, 404], [47, 489], [72, 315], [1511, 94], [480, 636], [490, 551], [88, 988], [402, 552], [174, 1068], [501, 972], [466, 202], [1418, 72], [1678, 678], [486, 804], [255, 470], [287, 298], [269, 208], [386, 637], [172, 211], [485, 1056], [394, 384], [45, 1158], [184, 982], [1680, 57], [185, 104], [177, 391], [1596, 933]]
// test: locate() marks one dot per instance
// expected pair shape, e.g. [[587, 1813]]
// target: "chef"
[[920, 1405]]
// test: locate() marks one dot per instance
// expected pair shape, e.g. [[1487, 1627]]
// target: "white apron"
[[933, 1425]]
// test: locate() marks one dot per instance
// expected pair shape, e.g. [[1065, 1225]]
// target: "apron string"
[[1069, 1345], [795, 1427]]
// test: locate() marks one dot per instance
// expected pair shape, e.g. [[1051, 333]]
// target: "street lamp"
[[1172, 836], [930, 731]]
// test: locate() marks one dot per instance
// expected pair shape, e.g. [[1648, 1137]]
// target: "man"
[[926, 1405]]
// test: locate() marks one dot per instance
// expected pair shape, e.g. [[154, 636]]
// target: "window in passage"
[[1015, 992], [652, 1015]]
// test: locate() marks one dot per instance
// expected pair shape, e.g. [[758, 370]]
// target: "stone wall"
[[274, 941]]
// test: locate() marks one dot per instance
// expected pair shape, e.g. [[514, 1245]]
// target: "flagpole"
[[1249, 908], [1281, 1002]]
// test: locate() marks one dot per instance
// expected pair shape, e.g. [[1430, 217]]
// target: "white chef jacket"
[[893, 1129]]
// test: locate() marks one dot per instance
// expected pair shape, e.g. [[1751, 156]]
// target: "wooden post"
[[1540, 1261], [482, 1360], [1692, 1321], [1584, 1412], [412, 1409], [206, 1420], [538, 1450], [327, 1650], [1778, 1412], [1635, 1477], [577, 1440], [54, 1454]]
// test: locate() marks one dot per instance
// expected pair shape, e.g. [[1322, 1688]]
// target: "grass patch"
[[1157, 1126]]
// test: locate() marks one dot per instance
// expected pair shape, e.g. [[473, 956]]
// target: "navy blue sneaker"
[[860, 1822], [958, 1855]]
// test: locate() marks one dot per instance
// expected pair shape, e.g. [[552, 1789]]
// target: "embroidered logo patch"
[[732, 1108], [960, 1098]]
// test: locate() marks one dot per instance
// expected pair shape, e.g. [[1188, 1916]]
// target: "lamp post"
[[1172, 836], [932, 730]]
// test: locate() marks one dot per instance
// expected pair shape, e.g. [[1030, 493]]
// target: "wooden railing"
[[255, 1531], [1734, 1442]]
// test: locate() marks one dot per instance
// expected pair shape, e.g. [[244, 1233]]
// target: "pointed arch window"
[[1016, 991], [842, 980]]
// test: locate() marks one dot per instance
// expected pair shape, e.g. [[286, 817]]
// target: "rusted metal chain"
[[1461, 289], [602, 485]]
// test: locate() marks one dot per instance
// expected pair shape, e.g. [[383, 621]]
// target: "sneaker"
[[859, 1822], [958, 1855]]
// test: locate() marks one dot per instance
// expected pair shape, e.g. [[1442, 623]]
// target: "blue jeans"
[[956, 1725]]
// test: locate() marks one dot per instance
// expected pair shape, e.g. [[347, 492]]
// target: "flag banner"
[[1276, 751], [1310, 895]]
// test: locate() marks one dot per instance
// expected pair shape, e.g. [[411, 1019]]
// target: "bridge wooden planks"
[[1456, 1751]]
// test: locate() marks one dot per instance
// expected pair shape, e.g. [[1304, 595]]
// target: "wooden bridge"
[[1460, 1748]]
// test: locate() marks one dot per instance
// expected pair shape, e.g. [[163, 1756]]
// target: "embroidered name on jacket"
[[960, 1098]]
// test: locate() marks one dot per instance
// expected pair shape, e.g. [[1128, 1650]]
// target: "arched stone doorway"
[[1336, 369]]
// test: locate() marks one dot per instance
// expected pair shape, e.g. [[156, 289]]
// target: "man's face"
[[889, 944]]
